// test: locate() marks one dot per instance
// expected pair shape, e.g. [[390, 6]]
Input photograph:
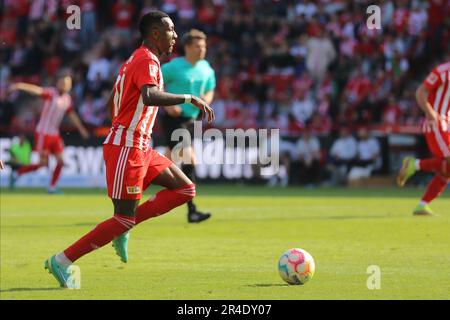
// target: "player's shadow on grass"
[[29, 289], [263, 285]]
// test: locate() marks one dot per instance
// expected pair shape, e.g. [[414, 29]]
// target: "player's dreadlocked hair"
[[149, 20]]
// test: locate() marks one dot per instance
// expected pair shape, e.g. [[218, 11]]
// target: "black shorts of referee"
[[170, 124]]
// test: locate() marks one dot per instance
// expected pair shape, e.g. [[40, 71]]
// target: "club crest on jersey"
[[133, 190], [432, 78], [153, 70]]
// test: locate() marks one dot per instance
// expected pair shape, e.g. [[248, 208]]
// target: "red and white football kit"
[[438, 84], [47, 139], [131, 164]]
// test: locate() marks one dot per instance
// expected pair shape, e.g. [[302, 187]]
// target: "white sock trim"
[[62, 259], [417, 164], [423, 203]]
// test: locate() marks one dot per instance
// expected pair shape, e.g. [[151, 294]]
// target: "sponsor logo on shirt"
[[133, 190]]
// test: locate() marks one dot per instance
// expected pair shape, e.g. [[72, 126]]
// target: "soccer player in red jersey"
[[433, 97], [47, 139], [131, 165]]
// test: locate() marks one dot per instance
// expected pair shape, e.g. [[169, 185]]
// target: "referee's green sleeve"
[[167, 72], [211, 83]]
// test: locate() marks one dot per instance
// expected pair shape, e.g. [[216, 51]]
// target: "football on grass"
[[296, 266]]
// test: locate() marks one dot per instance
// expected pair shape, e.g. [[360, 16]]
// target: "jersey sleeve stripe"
[[109, 136], [438, 97], [445, 102], [121, 92], [134, 122]]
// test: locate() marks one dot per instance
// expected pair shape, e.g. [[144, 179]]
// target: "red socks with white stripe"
[[164, 201], [105, 232], [101, 235]]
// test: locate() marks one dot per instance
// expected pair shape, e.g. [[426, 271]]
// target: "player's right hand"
[[202, 105]]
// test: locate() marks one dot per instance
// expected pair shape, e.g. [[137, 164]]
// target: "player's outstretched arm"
[[26, 87], [151, 96], [77, 123]]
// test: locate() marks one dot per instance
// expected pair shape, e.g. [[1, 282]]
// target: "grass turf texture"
[[234, 255]]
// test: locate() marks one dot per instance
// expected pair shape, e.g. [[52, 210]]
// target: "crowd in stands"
[[305, 67]]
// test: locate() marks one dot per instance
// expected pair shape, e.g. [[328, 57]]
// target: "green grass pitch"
[[234, 255]]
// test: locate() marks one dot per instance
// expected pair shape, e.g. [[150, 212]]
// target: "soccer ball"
[[296, 266]]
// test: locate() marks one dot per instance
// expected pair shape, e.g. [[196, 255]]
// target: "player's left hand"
[[1, 165], [206, 109]]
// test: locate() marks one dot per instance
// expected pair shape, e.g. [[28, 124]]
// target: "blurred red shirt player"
[[47, 139], [433, 97]]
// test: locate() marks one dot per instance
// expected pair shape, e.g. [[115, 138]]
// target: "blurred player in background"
[[190, 73], [131, 165], [47, 138], [433, 97]]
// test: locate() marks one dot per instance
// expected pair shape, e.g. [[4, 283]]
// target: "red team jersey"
[[55, 107], [47, 139], [131, 164], [438, 84], [133, 121]]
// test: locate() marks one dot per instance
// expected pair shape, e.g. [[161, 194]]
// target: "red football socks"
[[440, 166], [28, 168], [101, 235], [56, 174], [106, 231], [164, 201], [436, 186]]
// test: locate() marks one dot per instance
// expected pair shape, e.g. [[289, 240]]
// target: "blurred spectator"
[[123, 12], [342, 154], [303, 107], [392, 113], [282, 64], [320, 54], [92, 111], [307, 163], [88, 30], [99, 69], [368, 156], [320, 124]]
